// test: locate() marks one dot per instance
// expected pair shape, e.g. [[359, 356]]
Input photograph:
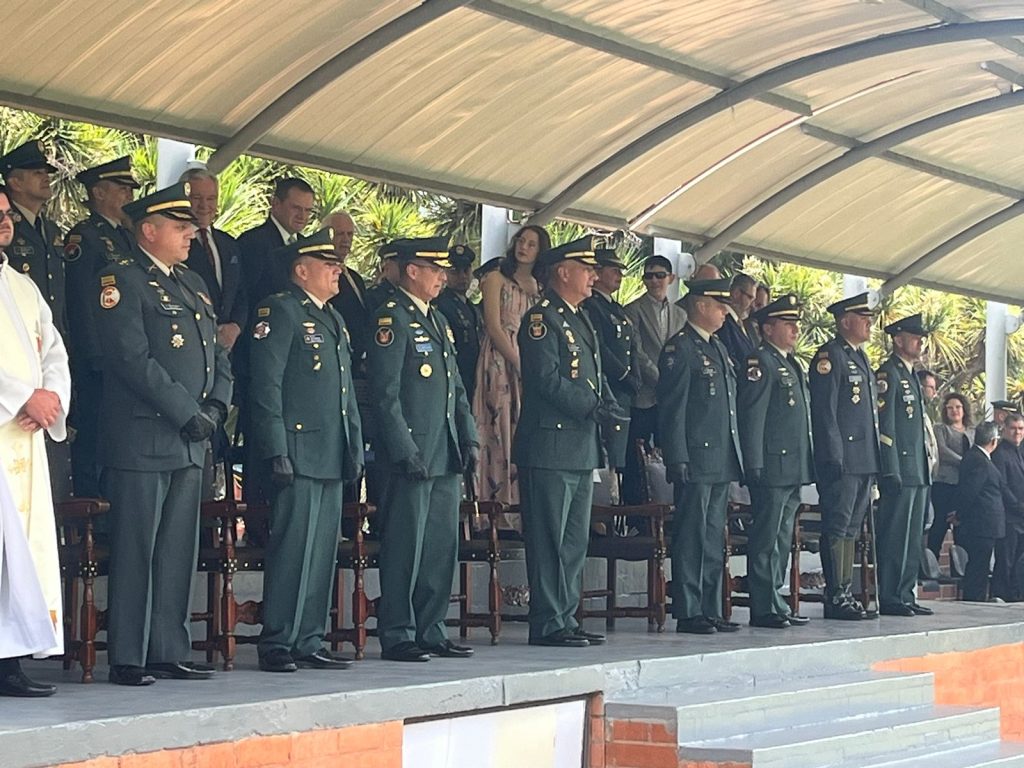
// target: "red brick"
[[596, 755], [314, 744], [630, 730], [661, 732], [597, 733], [165, 758], [595, 706], [215, 756], [263, 751], [641, 755], [361, 738]]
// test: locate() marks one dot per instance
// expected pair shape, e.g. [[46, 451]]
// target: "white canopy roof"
[[880, 137]]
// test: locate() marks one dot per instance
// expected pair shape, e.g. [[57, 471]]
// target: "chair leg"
[[726, 577], [70, 614], [359, 610], [794, 570], [213, 639], [610, 583], [230, 613], [87, 652], [338, 613], [466, 601]]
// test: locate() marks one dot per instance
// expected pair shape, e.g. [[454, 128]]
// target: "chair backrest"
[[929, 565], [657, 489], [957, 561]]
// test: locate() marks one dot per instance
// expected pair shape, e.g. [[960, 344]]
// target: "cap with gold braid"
[[606, 257], [119, 171], [783, 308], [171, 202], [913, 324], [319, 245], [30, 155], [432, 250], [714, 289], [461, 256], [582, 250], [862, 304]]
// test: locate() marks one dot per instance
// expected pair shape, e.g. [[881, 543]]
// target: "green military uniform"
[[844, 423], [92, 245], [379, 294], [697, 396], [557, 446], [303, 408], [618, 353], [425, 431], [905, 477], [775, 434], [166, 384], [464, 319]]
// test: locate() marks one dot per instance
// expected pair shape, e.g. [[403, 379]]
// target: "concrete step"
[[992, 755], [708, 714], [856, 740]]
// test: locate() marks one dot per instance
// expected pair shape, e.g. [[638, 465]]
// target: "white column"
[[995, 352], [495, 232], [671, 250], [171, 158]]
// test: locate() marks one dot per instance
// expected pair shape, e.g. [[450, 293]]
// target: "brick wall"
[[361, 746]]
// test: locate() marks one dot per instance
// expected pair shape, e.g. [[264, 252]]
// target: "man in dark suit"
[[1008, 459], [846, 448], [427, 438], [166, 386], [734, 332], [351, 299], [557, 445], [905, 473], [619, 346], [92, 245], [700, 443], [307, 433], [463, 316], [980, 510], [775, 433]]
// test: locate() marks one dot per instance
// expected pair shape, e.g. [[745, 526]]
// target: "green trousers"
[[556, 528], [698, 549], [768, 547], [899, 529], [299, 569], [418, 557], [154, 543]]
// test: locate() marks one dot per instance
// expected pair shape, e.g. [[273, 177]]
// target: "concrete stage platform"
[[85, 721]]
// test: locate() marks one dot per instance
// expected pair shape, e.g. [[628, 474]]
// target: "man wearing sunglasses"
[[654, 319]]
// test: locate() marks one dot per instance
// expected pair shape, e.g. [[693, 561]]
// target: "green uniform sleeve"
[[755, 390], [541, 361], [269, 347], [386, 360], [673, 391], [890, 461], [824, 388]]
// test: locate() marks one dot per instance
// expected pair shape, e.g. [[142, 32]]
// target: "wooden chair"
[[477, 547], [81, 562]]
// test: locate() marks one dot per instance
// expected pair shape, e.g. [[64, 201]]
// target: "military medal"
[[177, 341], [792, 402], [384, 336], [109, 297], [261, 330], [855, 399], [426, 370]]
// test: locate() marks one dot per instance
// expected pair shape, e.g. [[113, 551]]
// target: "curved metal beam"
[[773, 78], [936, 254], [865, 151], [321, 77]]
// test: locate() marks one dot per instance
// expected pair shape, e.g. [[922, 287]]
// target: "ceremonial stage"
[[627, 703]]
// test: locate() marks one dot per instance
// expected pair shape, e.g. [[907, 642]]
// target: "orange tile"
[[263, 751], [215, 756]]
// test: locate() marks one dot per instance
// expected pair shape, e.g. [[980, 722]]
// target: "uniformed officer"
[[618, 346], [463, 315], [557, 445], [38, 244], [166, 385], [426, 438], [775, 433], [905, 475], [387, 284], [700, 442], [306, 430], [91, 245], [846, 458], [1000, 408]]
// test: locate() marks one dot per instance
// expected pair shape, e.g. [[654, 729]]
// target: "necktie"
[[292, 238], [355, 288], [204, 238], [40, 228]]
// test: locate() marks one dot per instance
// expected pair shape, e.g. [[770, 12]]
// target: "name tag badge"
[[425, 347], [313, 338]]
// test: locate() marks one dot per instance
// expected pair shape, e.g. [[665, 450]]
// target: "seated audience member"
[[980, 513]]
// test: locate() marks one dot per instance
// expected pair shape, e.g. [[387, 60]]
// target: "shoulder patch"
[[538, 330], [824, 367], [263, 312], [384, 336], [109, 297], [754, 372], [883, 385], [261, 330]]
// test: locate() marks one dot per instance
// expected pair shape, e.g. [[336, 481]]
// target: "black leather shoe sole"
[[797, 621], [699, 626], [721, 625], [133, 676], [843, 613], [769, 622], [406, 653], [594, 638], [561, 641], [24, 688], [178, 672], [897, 610], [322, 662], [278, 661], [921, 610], [449, 651]]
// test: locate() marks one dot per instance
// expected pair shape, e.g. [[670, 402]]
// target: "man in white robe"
[[35, 389]]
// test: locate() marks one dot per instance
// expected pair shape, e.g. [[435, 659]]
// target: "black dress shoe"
[[561, 639], [896, 610], [842, 611], [721, 625], [921, 610], [14, 682], [594, 638], [277, 661], [407, 651], [449, 650], [695, 625], [796, 620], [179, 670], [769, 621], [122, 674], [323, 659]]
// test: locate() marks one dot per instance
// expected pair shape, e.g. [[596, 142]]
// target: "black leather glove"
[[216, 410], [414, 467], [470, 459], [198, 428], [609, 413], [755, 476], [677, 473], [890, 485], [282, 474], [830, 473]]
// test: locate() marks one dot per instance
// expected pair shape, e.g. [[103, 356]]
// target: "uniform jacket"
[[465, 321], [377, 295], [980, 498], [303, 404], [357, 315], [92, 245], [261, 277], [1008, 460], [563, 383], [42, 259], [741, 345], [901, 429], [642, 312], [421, 405], [229, 300], [775, 418], [161, 361], [697, 398], [843, 415], [619, 345]]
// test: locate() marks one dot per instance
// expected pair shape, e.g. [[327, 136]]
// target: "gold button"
[[316, 346], [207, 369], [558, 426], [197, 316], [343, 391], [298, 426], [343, 412]]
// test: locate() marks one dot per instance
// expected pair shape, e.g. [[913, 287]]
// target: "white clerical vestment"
[[32, 356]]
